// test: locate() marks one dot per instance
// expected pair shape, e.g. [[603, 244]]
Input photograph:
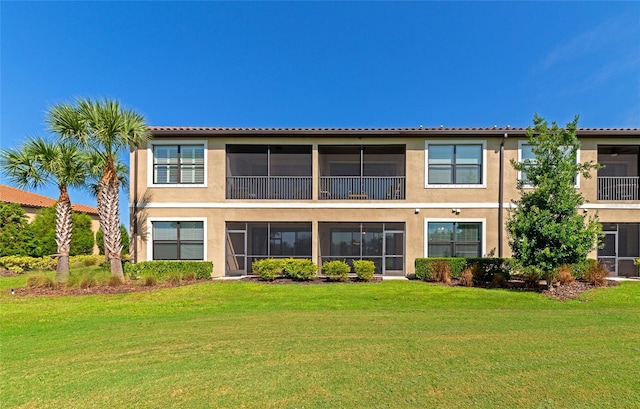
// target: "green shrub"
[[190, 276], [336, 270], [114, 281], [365, 269], [162, 269], [149, 280], [596, 274], [579, 270], [267, 268], [174, 278], [531, 276], [85, 260], [19, 264], [87, 281], [299, 269], [41, 281], [425, 267], [485, 269]]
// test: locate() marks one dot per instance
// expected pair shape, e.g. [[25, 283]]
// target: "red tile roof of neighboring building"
[[10, 194]]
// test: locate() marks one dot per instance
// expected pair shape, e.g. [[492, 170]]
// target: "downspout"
[[501, 196], [134, 233]]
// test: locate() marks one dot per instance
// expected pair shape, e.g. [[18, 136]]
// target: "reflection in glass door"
[[236, 252], [608, 254], [393, 252]]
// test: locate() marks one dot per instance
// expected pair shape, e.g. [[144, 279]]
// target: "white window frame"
[[482, 221], [153, 143], [150, 221], [482, 142], [523, 142]]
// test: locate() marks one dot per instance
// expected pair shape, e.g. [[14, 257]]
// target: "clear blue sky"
[[329, 64]]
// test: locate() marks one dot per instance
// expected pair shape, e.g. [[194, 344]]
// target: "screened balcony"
[[268, 172], [619, 179], [362, 172]]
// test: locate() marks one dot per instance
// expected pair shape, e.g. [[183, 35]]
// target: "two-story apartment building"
[[235, 195]]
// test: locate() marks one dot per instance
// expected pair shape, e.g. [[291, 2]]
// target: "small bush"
[[40, 281], [86, 260], [114, 281], [531, 277], [499, 281], [162, 269], [596, 274], [466, 277], [365, 269], [299, 269], [190, 276], [268, 268], [564, 275], [149, 280], [336, 270], [579, 270], [441, 271], [87, 281], [485, 269], [174, 278]]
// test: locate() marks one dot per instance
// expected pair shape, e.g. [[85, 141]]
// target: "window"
[[382, 243], [455, 165], [177, 164], [454, 239], [177, 240], [525, 153]]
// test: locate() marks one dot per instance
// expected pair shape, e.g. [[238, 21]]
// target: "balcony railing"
[[362, 188], [618, 188], [269, 187]]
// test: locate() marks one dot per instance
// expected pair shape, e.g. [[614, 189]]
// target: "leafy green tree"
[[39, 162], [125, 240], [15, 237], [43, 229], [545, 228], [103, 127]]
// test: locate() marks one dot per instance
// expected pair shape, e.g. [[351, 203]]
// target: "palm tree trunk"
[[108, 211], [63, 235]]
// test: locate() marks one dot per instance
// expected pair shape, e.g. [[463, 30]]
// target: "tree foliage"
[[545, 228], [43, 229], [15, 236]]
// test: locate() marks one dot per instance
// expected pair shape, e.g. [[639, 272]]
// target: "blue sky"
[[322, 64]]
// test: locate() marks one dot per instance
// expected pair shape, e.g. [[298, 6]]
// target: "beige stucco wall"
[[474, 203]]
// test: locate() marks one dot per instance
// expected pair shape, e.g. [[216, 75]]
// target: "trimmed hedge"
[[364, 269], [485, 269], [267, 268], [425, 266], [336, 270], [299, 269], [163, 269], [19, 264]]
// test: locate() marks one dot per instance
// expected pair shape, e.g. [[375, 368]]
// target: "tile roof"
[[10, 194], [406, 130]]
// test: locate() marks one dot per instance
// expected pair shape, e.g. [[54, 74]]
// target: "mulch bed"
[[564, 292]]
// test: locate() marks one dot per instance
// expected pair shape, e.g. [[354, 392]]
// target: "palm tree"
[[106, 128], [41, 162], [95, 164]]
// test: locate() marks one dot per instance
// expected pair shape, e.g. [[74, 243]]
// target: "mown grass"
[[382, 345]]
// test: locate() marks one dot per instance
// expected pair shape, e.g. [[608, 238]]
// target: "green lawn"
[[382, 345]]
